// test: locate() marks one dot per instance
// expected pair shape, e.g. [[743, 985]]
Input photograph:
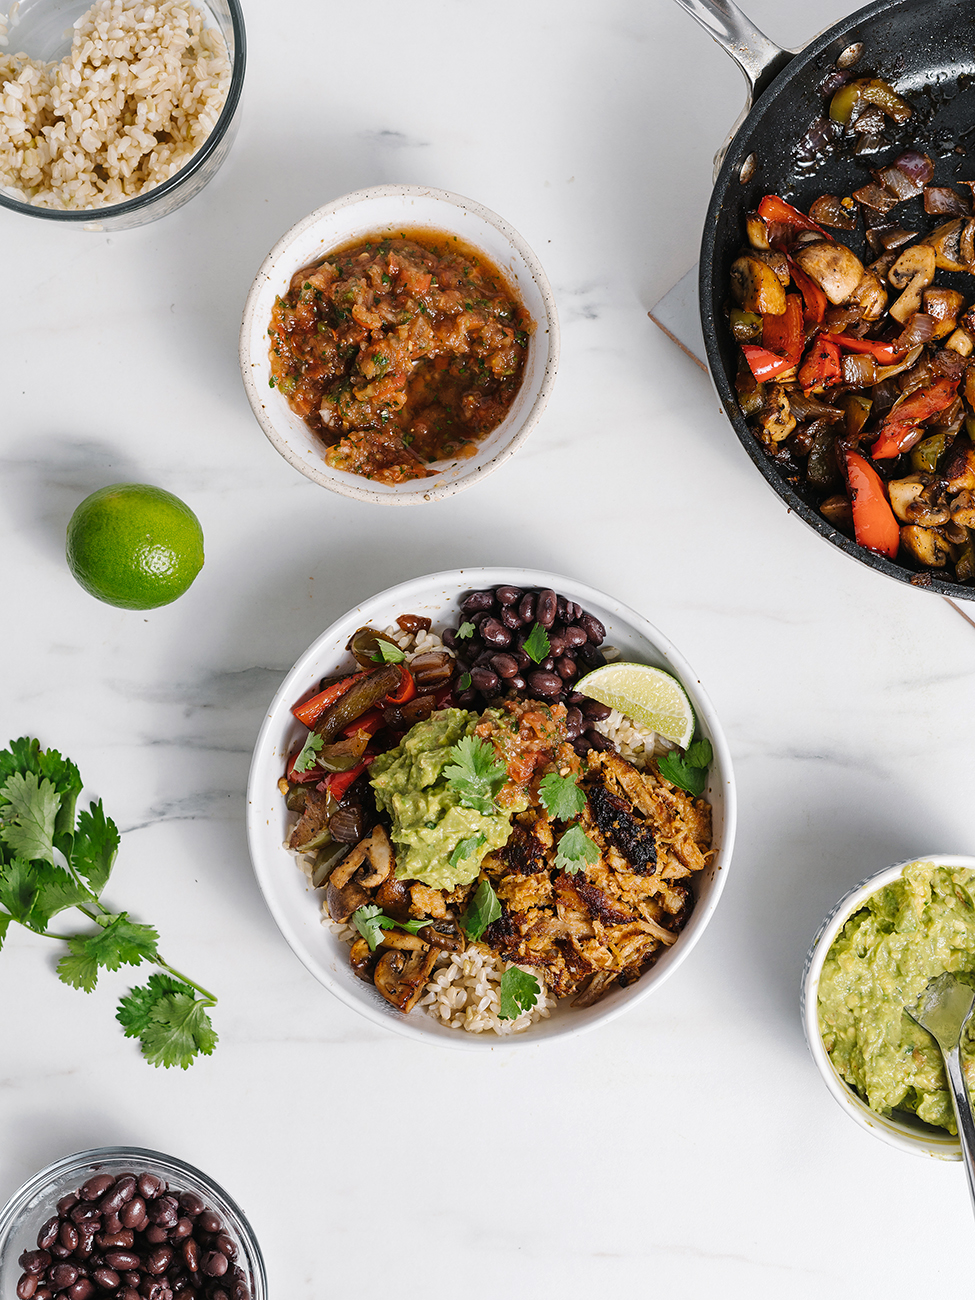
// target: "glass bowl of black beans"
[[124, 1223]]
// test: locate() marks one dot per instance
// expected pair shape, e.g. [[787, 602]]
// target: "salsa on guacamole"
[[920, 926], [439, 841]]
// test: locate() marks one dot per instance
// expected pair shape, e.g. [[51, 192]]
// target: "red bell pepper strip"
[[370, 722], [309, 711], [814, 300], [885, 353], [407, 687], [822, 366], [874, 523], [772, 208], [336, 783], [903, 429], [764, 364], [302, 778]]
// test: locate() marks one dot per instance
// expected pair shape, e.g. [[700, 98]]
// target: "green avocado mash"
[[428, 820], [919, 927]]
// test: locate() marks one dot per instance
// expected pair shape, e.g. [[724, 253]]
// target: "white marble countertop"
[[690, 1147]]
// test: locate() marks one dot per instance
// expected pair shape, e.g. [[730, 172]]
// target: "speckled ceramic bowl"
[[390, 208], [296, 907], [905, 1132]]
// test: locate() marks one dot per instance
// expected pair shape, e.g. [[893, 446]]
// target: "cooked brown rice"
[[137, 96]]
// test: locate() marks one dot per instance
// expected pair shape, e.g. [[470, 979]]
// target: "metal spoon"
[[943, 1010]]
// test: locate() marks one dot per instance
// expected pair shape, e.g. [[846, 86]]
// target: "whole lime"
[[134, 545]]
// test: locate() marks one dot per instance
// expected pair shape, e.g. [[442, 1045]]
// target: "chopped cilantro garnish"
[[465, 682], [519, 993], [466, 849], [476, 774], [690, 773], [370, 921], [561, 796], [465, 630], [387, 653], [575, 849], [537, 644], [307, 759], [483, 908]]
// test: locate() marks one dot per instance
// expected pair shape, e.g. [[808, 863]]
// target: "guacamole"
[[428, 820], [919, 927]]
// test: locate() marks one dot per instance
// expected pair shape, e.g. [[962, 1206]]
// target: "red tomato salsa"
[[399, 351]]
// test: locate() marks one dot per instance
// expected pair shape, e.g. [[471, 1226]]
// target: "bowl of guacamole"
[[874, 954]]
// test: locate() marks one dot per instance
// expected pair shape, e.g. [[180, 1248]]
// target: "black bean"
[[111, 1223], [67, 1203], [574, 637], [86, 1239], [107, 1278], [34, 1261], [589, 656], [573, 723], [466, 698], [191, 1254], [595, 711], [517, 683], [522, 659], [581, 746], [164, 1211], [449, 637], [82, 1289], [130, 1293], [157, 1261], [48, 1234], [484, 680], [597, 740], [183, 1229], [122, 1259], [155, 1234], [59, 1251], [511, 619], [150, 1289], [132, 1211], [556, 646], [132, 1279], [64, 1275], [26, 1286], [150, 1185], [593, 629], [96, 1187], [226, 1247], [214, 1264], [84, 1213], [478, 618], [505, 665], [508, 595], [526, 607], [547, 665], [546, 607], [544, 683], [68, 1235], [566, 669], [495, 634], [476, 601]]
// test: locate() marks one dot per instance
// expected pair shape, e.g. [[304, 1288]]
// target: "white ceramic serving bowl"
[[387, 209], [297, 908], [907, 1133]]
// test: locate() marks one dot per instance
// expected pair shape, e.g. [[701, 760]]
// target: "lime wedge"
[[647, 695]]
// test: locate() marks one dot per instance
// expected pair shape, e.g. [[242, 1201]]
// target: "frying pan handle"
[[758, 57]]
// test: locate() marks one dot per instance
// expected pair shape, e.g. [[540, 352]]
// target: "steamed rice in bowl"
[[631, 911], [137, 96]]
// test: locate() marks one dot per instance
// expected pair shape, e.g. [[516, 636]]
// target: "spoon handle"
[[963, 1114]]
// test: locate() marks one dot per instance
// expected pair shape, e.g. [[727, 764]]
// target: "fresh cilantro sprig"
[[519, 993], [483, 908], [575, 850], [691, 771], [370, 921], [537, 644], [476, 774], [51, 861], [561, 796], [466, 849], [466, 630], [308, 757], [387, 653]]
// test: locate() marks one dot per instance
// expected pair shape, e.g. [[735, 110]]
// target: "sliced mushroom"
[[400, 977], [445, 935], [839, 512], [944, 305], [363, 960], [394, 898], [952, 244], [377, 851], [913, 272], [401, 941], [870, 297], [777, 420], [778, 262], [833, 266], [343, 900], [756, 230], [963, 510], [915, 500], [926, 545], [961, 342], [756, 287]]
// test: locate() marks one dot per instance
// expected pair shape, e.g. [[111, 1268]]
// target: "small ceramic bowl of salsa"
[[900, 1128], [399, 344]]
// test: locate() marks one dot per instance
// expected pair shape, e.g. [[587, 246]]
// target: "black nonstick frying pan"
[[926, 50]]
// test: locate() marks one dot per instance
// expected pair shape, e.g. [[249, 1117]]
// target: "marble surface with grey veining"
[[688, 1149]]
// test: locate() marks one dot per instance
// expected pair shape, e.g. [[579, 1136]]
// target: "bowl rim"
[[355, 486], [474, 578], [128, 207], [894, 1132], [170, 1165]]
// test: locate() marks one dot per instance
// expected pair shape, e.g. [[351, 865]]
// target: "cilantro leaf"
[[561, 796], [690, 773], [537, 644], [28, 815], [55, 890], [18, 889], [519, 993], [483, 908], [387, 653], [465, 682], [307, 759], [171, 1022], [476, 774], [370, 921], [575, 849], [120, 942], [466, 849], [465, 630], [25, 755], [5, 919], [95, 845], [78, 967]]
